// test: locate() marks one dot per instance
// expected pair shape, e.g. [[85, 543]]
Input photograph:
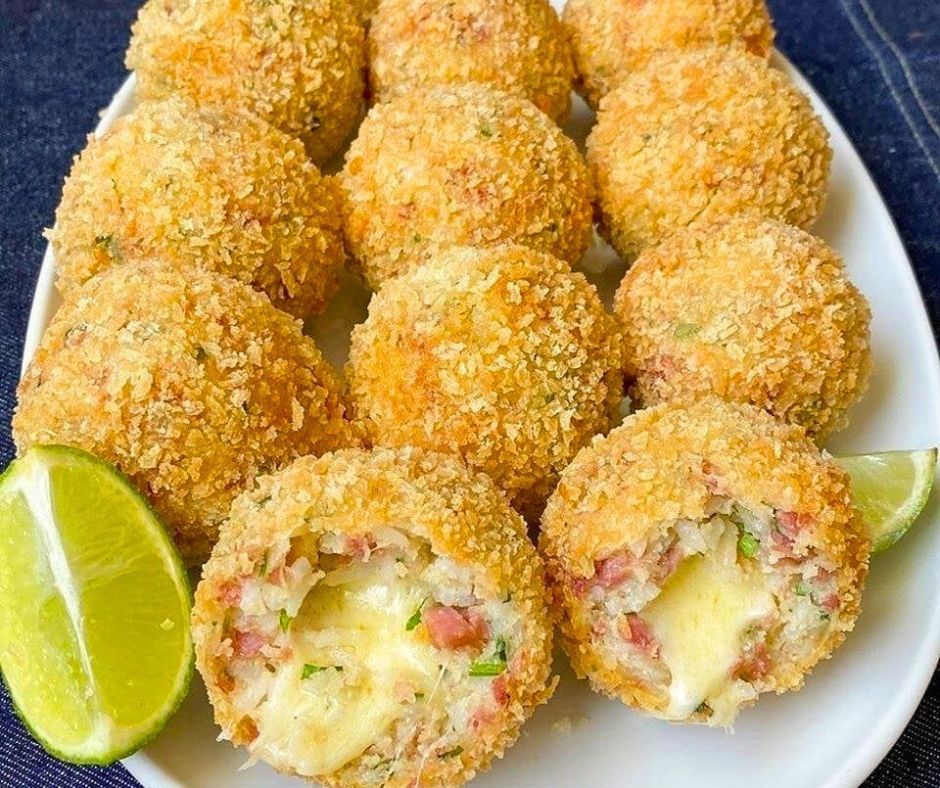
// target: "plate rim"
[[882, 736]]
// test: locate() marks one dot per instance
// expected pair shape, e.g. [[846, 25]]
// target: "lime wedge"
[[95, 646], [890, 490]]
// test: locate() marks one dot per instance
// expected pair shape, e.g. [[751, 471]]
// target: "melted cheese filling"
[[321, 722], [700, 618]]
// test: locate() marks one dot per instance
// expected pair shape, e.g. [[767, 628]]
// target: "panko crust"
[[502, 355], [515, 45], [613, 38], [202, 187], [432, 496], [299, 65], [656, 467], [701, 135], [191, 386], [461, 165], [749, 309]]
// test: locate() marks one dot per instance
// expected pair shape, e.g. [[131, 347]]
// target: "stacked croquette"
[[372, 612]]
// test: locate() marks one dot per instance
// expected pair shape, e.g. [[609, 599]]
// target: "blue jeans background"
[[876, 62]]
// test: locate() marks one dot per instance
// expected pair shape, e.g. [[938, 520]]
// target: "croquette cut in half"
[[300, 66], [461, 165], [191, 385], [700, 135], [613, 38], [701, 554], [501, 355], [374, 618], [517, 45], [752, 310], [202, 187]]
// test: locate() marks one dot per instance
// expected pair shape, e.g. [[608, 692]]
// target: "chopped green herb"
[[419, 696], [309, 670], [417, 238], [703, 708], [748, 544], [451, 753], [487, 667], [486, 131], [685, 330], [284, 620], [501, 649], [415, 617], [824, 616], [263, 566], [802, 589]]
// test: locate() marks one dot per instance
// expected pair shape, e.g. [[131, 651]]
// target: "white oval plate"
[[853, 708]]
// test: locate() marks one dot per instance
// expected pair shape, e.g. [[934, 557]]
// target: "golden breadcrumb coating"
[[364, 10], [464, 164], [422, 494], [663, 464], [516, 45], [202, 187], [613, 38], [752, 310], [299, 65], [500, 354], [701, 135], [192, 386]]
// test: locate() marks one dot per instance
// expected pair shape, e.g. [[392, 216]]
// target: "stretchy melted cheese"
[[321, 722], [699, 619]]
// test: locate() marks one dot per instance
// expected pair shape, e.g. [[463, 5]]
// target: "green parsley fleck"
[[284, 620], [415, 617], [802, 589], [501, 649], [748, 544], [451, 753], [486, 131], [309, 670], [686, 330], [487, 667]]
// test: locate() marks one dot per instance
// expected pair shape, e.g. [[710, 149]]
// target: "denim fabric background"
[[877, 63]]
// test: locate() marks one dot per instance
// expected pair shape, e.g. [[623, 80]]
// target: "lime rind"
[[122, 741], [871, 478]]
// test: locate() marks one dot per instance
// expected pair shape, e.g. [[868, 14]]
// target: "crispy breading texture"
[[202, 187], [464, 164], [700, 135], [613, 38], [192, 386], [516, 45], [423, 494], [299, 65], [654, 469], [752, 310], [502, 355]]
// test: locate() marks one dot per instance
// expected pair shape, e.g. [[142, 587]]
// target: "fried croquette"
[[191, 385], [374, 618], [461, 165], [516, 45], [613, 38], [701, 554], [202, 187], [300, 66], [752, 310], [700, 135], [501, 355]]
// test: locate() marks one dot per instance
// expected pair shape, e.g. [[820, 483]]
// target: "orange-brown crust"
[[423, 494], [749, 309], [191, 386], [205, 188], [653, 470], [700, 135]]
